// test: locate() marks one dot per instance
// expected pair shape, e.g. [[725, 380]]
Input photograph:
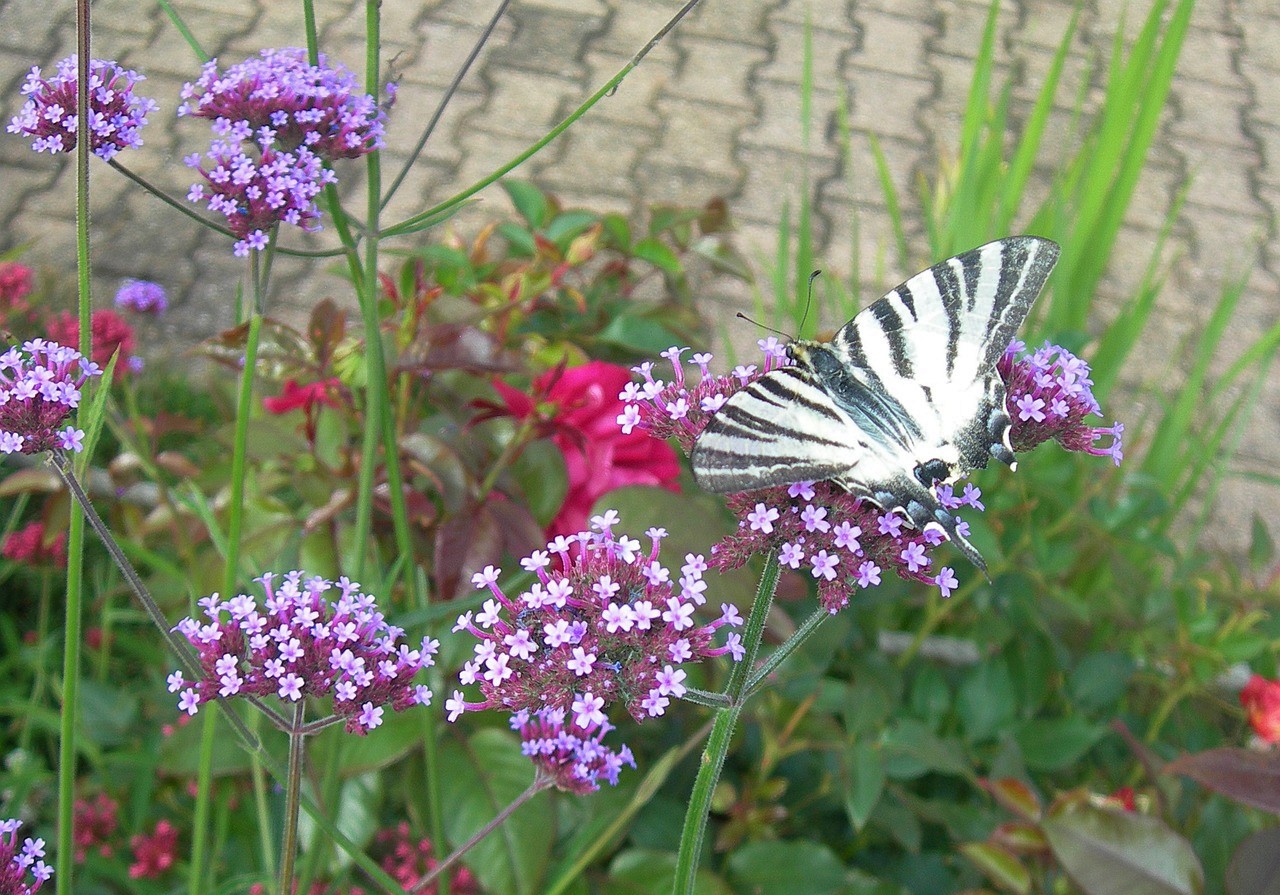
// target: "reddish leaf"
[[1020, 838], [1000, 866], [1014, 795], [37, 479], [456, 346], [327, 326], [465, 545], [1255, 867], [1251, 778], [1121, 853]]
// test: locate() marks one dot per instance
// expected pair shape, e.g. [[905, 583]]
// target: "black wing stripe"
[[908, 300], [891, 325], [949, 289]]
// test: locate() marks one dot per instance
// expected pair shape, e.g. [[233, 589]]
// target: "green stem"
[[375, 362], [778, 656], [695, 818], [261, 808], [235, 522], [538, 785], [75, 534], [293, 800], [198, 875], [409, 224]]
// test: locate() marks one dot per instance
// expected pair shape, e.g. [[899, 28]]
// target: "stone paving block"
[[707, 66], [1208, 114], [778, 123], [700, 134], [445, 46], [596, 158], [634, 102], [632, 25], [39, 36], [550, 43], [525, 103], [888, 43], [786, 64], [1045, 25], [742, 22], [888, 106], [1219, 180]]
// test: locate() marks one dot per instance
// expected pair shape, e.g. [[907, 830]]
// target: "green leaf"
[[999, 865], [1122, 853], [529, 201], [108, 715], [986, 700], [912, 750], [568, 224], [865, 765], [1052, 744], [638, 334], [1262, 548], [775, 868], [1255, 866], [479, 777], [356, 817], [1100, 680], [540, 473], [659, 255], [644, 872]]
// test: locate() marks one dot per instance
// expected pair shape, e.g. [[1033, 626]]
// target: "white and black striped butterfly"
[[906, 393]]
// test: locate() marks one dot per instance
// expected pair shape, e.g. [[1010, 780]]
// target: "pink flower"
[[579, 406], [16, 282], [1261, 700], [154, 854], [110, 333], [30, 546]]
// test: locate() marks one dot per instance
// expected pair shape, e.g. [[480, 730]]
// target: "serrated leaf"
[[1251, 778], [865, 764], [1000, 866], [1122, 853], [479, 777], [1255, 866]]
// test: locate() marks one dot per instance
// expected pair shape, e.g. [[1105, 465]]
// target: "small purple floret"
[[39, 388]]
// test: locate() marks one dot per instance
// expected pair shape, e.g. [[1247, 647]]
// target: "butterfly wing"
[[906, 393]]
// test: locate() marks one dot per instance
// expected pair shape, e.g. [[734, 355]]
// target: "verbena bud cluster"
[[39, 388]]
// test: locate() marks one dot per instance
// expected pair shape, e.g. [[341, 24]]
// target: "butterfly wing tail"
[[922, 508]]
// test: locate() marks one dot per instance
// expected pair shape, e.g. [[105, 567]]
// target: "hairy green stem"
[[713, 757], [778, 656], [292, 801], [75, 534], [538, 785]]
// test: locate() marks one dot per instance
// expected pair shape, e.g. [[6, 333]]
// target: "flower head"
[[111, 333], [31, 546], [845, 542], [20, 861], [278, 121], [577, 407], [95, 825], [1261, 700], [39, 388], [608, 625], [155, 852], [16, 282], [142, 296], [49, 114], [409, 859], [300, 643], [573, 756]]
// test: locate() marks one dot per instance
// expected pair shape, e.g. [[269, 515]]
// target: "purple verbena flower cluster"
[[143, 297], [604, 624], [844, 541], [1048, 395], [39, 388], [49, 114], [17, 861], [299, 643], [575, 761], [277, 122]]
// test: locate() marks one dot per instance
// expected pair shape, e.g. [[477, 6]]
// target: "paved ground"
[[713, 111]]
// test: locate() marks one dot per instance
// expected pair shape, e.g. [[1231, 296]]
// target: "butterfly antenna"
[[754, 322], [808, 302]]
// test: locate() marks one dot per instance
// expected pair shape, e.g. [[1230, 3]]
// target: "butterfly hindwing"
[[906, 392]]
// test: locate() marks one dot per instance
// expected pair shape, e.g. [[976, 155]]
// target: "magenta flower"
[[18, 861], [39, 388], [602, 623], [142, 296], [574, 756], [301, 644], [277, 122], [49, 114], [843, 541]]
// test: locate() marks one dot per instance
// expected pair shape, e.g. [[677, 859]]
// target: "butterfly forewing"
[[908, 384]]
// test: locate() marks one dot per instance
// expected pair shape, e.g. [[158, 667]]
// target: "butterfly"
[[904, 396]]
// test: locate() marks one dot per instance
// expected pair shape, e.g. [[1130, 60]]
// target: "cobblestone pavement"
[[712, 111]]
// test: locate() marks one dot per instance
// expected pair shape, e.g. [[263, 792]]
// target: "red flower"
[[16, 282], [582, 419], [302, 397], [110, 333], [30, 546], [1261, 700], [95, 825], [154, 854]]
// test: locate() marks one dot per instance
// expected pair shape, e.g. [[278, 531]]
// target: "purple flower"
[[142, 296], [17, 861], [823, 521], [603, 624], [573, 757], [39, 388], [49, 114], [299, 643], [278, 122]]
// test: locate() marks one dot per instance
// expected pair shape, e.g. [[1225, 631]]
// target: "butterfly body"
[[904, 395]]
